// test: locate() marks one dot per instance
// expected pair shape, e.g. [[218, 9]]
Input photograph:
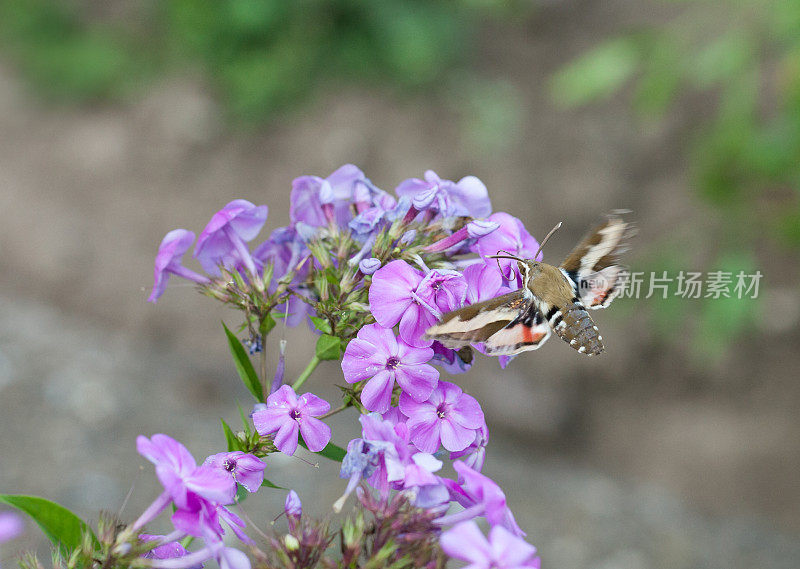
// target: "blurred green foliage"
[[260, 56], [738, 63]]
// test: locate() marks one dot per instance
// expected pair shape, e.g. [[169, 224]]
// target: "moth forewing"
[[477, 322]]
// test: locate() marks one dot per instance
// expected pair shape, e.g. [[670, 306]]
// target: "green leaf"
[[244, 366], [245, 422], [230, 438], [331, 451], [61, 526], [321, 324], [329, 347], [596, 74], [268, 484]]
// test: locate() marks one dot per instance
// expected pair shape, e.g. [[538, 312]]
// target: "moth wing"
[[527, 332], [477, 322], [593, 267], [598, 289]]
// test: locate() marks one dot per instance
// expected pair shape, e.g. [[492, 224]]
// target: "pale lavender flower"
[[288, 415], [480, 496], [378, 356], [11, 526], [449, 416], [246, 469], [503, 550], [185, 483], [319, 201], [224, 240], [467, 197], [369, 266], [511, 237], [442, 289], [168, 261], [387, 459]]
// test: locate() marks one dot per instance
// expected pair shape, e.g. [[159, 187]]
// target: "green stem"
[[312, 365], [334, 411]]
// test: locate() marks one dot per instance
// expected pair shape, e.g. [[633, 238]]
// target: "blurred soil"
[[636, 459]]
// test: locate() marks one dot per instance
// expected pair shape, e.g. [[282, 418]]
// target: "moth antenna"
[[556, 228]]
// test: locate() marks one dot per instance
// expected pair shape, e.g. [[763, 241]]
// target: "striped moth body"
[[551, 299]]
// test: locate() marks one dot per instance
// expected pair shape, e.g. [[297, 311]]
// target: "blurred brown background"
[[678, 448]]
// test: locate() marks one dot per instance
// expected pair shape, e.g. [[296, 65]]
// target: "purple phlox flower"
[[189, 486], [288, 415], [367, 221], [376, 355], [511, 237], [449, 359], [449, 416], [484, 282], [168, 261], [467, 197], [224, 240], [386, 458], [472, 230], [293, 506], [503, 550], [401, 294], [443, 289], [246, 469], [206, 522], [320, 201], [480, 496], [284, 249], [226, 557], [168, 550], [475, 453], [11, 526], [369, 266]]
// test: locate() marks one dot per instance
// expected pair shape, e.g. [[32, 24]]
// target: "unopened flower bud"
[[291, 542], [369, 266]]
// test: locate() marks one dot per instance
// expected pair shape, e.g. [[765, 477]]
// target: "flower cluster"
[[370, 272]]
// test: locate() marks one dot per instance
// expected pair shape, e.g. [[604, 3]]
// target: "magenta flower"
[[449, 416], [480, 496], [224, 240], [245, 469], [288, 415], [186, 484], [293, 506], [511, 237], [168, 550], [168, 261], [475, 454], [401, 294], [472, 230], [502, 550], [467, 197], [484, 281], [378, 356], [206, 522], [11, 526]]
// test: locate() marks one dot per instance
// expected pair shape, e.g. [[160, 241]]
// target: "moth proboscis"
[[551, 299]]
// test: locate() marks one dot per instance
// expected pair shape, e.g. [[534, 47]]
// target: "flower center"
[[229, 465], [441, 410], [295, 414], [392, 363]]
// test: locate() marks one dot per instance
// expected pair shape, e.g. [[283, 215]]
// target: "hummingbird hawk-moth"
[[550, 299]]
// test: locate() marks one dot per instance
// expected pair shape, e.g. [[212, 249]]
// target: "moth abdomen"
[[574, 325]]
